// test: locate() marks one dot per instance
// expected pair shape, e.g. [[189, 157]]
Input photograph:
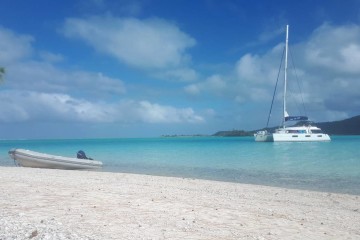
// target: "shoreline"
[[336, 185], [270, 179], [63, 204]]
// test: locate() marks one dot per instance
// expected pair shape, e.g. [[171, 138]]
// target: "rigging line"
[[277, 80], [298, 83]]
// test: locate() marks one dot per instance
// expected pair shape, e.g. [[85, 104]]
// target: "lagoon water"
[[321, 166]]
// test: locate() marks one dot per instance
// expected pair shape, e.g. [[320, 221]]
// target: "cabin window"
[[307, 135], [296, 131], [295, 136], [316, 131], [319, 135]]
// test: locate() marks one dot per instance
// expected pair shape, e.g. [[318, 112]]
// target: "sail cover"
[[296, 118]]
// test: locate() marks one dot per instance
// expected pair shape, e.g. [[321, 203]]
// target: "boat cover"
[[296, 118]]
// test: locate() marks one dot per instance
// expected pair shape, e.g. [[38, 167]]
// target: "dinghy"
[[27, 158]]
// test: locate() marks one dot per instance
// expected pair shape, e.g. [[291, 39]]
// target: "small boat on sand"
[[28, 158]]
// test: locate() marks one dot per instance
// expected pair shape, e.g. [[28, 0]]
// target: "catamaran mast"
[[285, 74]]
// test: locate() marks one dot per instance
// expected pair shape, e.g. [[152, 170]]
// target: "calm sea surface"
[[325, 166]]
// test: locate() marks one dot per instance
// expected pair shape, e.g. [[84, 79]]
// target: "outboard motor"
[[81, 155]]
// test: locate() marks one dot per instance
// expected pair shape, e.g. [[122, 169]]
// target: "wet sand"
[[58, 204]]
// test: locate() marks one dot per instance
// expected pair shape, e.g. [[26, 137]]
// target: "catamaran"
[[303, 132]]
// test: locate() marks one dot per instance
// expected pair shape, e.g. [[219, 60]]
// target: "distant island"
[[350, 126], [184, 135], [234, 133]]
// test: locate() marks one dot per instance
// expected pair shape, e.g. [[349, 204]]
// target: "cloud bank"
[[151, 44], [38, 90]]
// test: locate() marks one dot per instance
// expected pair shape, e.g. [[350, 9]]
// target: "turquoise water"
[[325, 166]]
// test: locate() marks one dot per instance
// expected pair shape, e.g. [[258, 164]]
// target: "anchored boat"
[[303, 132], [27, 158]]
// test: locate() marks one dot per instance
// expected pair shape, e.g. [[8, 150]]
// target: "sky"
[[146, 68]]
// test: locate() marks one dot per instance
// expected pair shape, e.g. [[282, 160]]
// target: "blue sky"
[[144, 68]]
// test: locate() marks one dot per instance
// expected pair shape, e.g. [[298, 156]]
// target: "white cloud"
[[39, 91], [330, 60], [214, 84], [46, 77], [22, 72], [336, 48], [13, 46], [95, 83], [19, 106], [148, 44], [260, 70], [248, 68], [155, 113]]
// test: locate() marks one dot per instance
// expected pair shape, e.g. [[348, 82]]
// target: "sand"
[[59, 204]]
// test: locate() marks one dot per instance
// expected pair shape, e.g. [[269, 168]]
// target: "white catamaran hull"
[[286, 137], [293, 134], [27, 158], [263, 136]]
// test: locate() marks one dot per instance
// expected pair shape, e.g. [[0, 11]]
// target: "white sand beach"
[[58, 204]]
